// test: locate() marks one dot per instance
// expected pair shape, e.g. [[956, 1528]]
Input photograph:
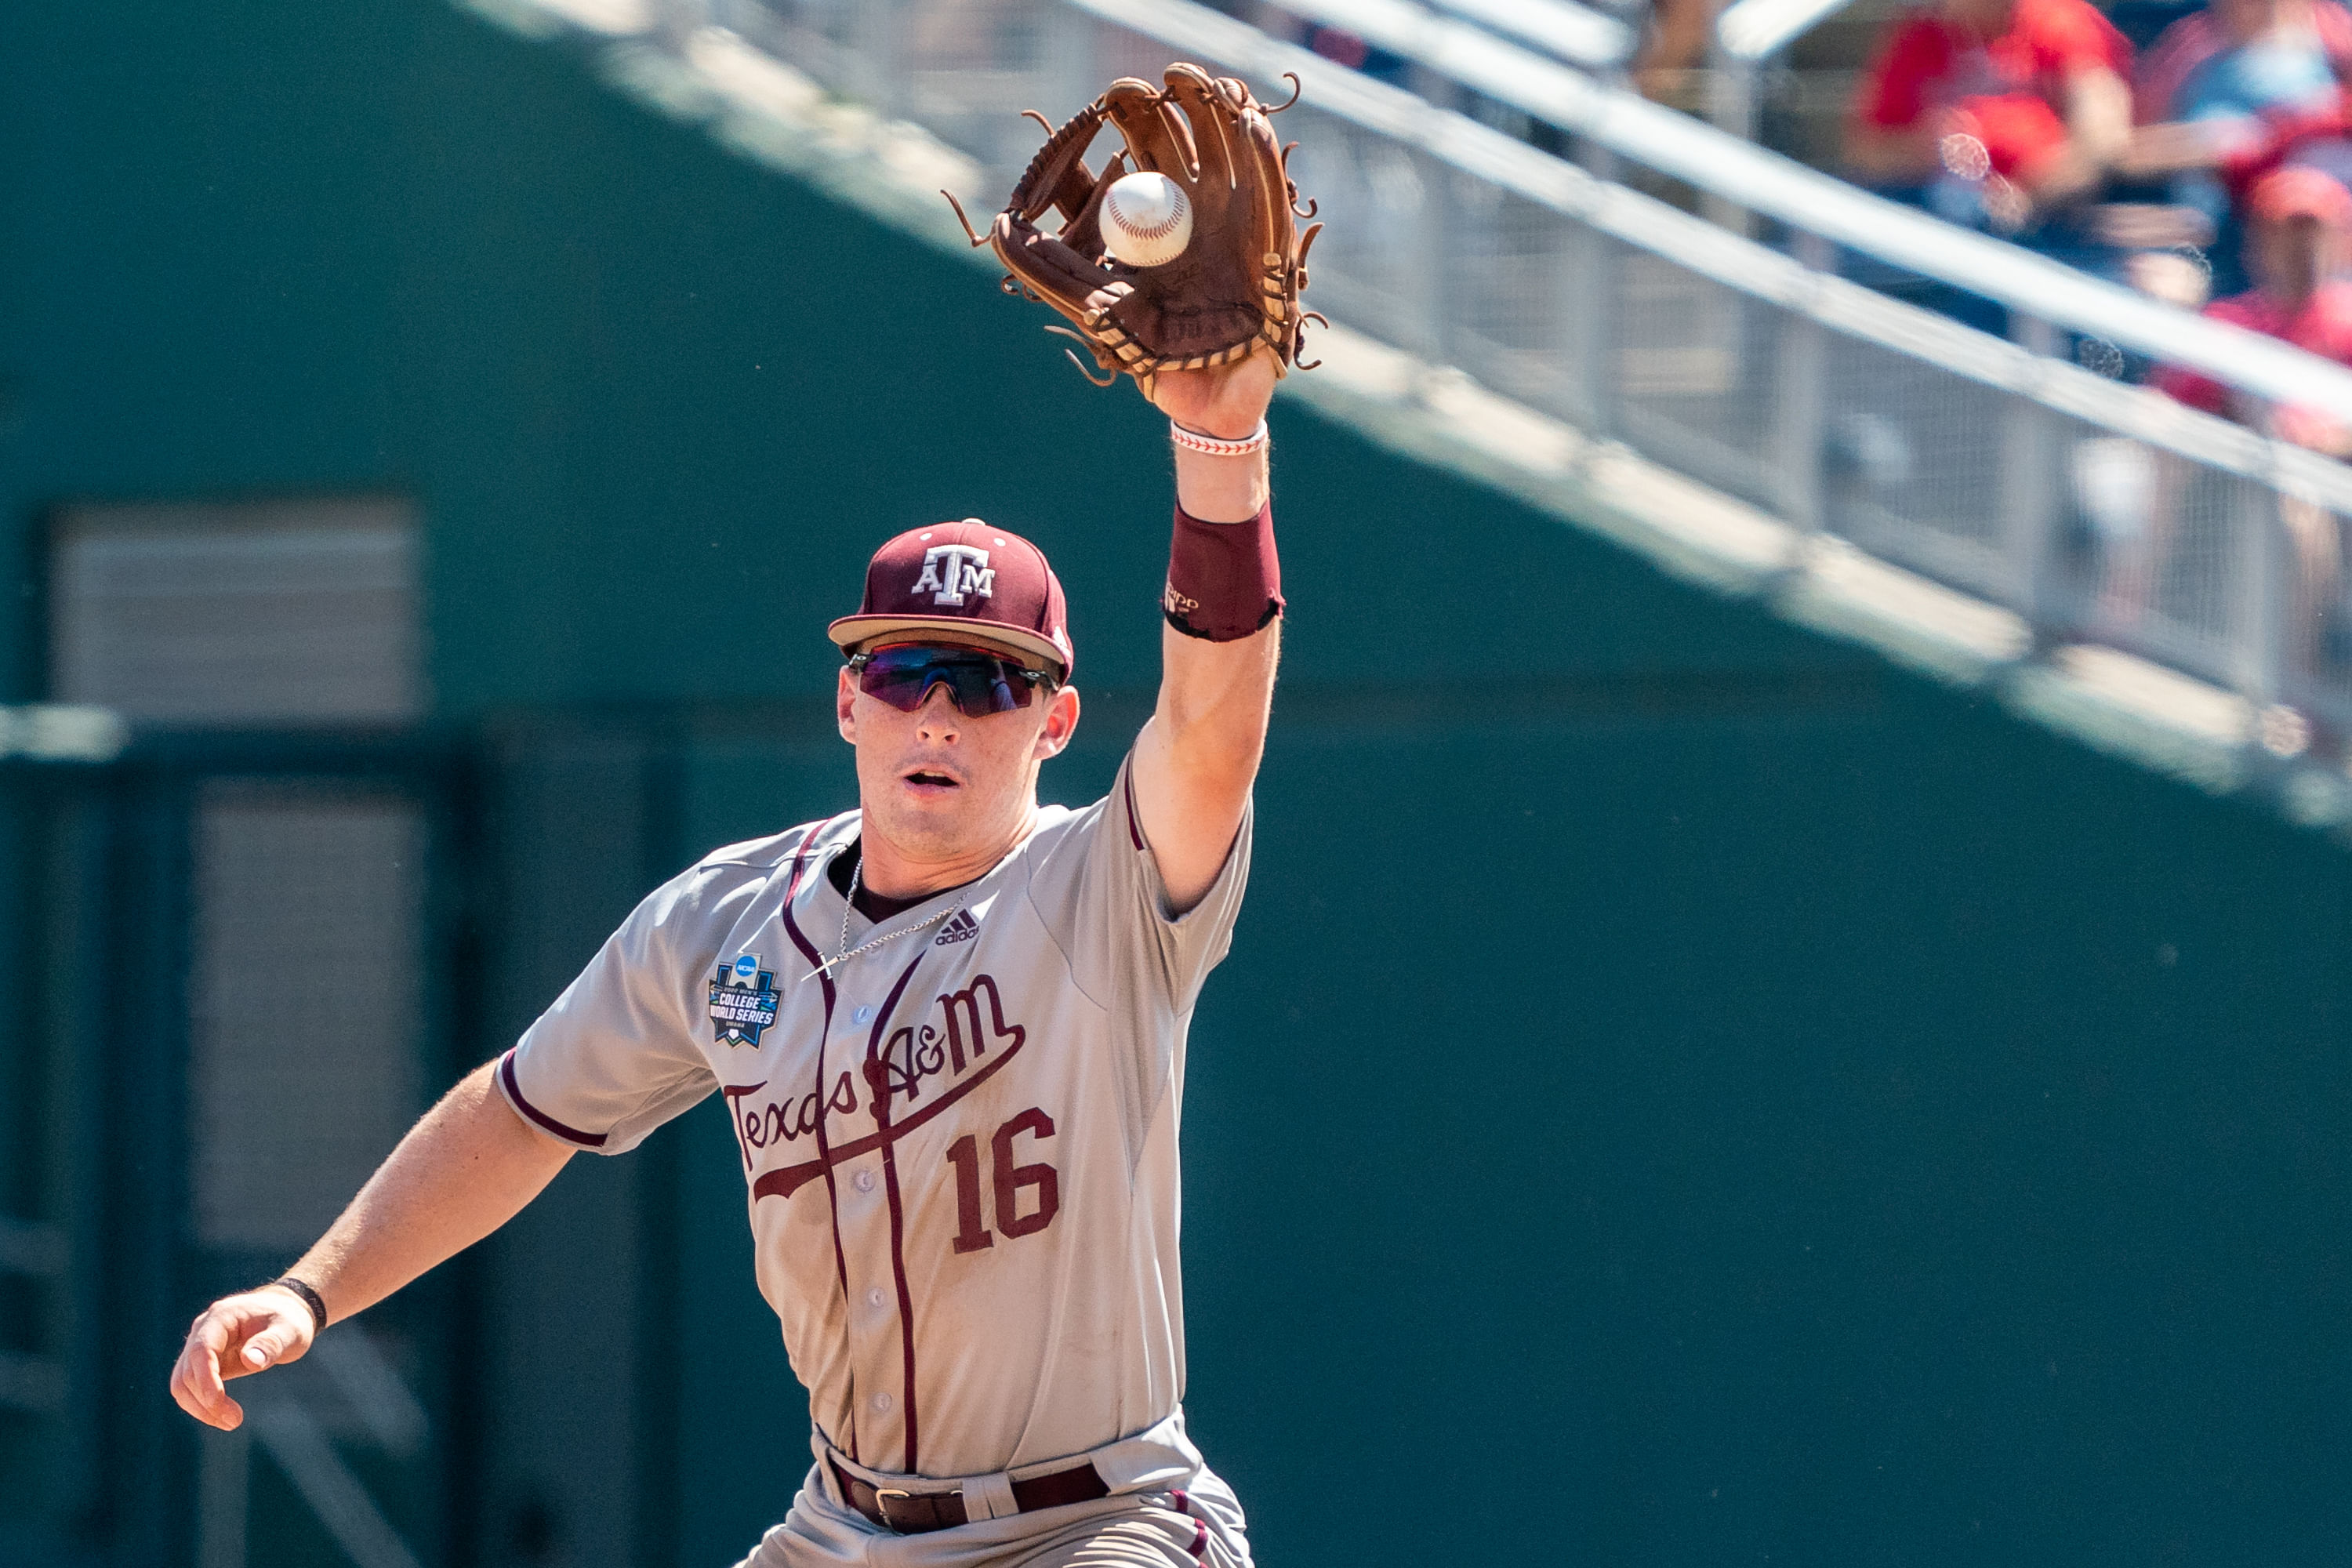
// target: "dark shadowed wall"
[[1683, 1092]]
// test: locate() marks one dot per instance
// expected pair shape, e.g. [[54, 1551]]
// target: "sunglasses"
[[978, 683]]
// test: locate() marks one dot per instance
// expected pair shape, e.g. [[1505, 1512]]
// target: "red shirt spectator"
[[2006, 73], [2322, 324], [2295, 246]]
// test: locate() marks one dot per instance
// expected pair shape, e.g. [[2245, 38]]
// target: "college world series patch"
[[743, 1001]]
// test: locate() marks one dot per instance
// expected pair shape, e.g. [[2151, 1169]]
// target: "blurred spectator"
[[1339, 46], [2000, 114], [2237, 60], [1674, 44], [2231, 88], [2297, 221]]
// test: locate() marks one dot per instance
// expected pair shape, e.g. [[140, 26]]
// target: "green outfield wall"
[[1684, 1091]]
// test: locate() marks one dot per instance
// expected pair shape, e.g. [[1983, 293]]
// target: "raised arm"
[[2098, 135], [1198, 756], [466, 1169]]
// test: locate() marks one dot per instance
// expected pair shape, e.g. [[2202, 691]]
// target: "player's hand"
[[238, 1336], [1226, 400]]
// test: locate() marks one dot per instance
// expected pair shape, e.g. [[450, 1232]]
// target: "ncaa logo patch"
[[743, 1001]]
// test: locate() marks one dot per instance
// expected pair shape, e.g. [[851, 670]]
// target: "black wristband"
[[310, 1299]]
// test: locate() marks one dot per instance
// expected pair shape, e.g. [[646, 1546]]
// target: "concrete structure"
[[1818, 1109]]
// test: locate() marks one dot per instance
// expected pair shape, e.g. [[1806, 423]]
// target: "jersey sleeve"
[[1099, 892], [2195, 388], [1892, 92], [2197, 391], [618, 1055], [2070, 36]]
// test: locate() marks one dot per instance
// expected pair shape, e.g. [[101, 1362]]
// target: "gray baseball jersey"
[[960, 1140]]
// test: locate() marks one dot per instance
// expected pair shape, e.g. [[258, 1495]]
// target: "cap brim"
[[851, 633]]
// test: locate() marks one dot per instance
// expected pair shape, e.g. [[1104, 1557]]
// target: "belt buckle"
[[882, 1496]]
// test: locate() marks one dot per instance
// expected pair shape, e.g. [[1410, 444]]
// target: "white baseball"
[[1146, 221]]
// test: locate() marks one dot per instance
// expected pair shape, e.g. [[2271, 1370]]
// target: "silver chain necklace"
[[844, 955]]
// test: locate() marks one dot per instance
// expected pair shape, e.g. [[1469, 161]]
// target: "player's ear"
[[845, 706], [1061, 723]]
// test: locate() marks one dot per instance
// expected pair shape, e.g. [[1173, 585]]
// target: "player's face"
[[941, 785]]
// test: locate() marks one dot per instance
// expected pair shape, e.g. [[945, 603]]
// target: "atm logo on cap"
[[952, 572]]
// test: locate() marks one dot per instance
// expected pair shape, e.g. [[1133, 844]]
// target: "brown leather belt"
[[913, 1513]]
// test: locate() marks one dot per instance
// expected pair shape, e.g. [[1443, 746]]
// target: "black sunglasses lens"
[[977, 683]]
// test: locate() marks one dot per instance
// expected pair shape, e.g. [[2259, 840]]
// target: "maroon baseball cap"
[[965, 581]]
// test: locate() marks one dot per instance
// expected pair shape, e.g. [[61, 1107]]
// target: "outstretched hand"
[[1226, 400], [238, 1336]]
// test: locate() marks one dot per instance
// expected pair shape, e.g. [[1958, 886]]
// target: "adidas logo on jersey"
[[961, 927]]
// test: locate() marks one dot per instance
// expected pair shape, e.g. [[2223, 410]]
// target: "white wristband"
[[1217, 445]]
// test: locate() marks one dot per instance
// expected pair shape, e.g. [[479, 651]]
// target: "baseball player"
[[949, 1029]]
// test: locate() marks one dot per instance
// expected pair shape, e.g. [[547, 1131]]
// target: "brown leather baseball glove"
[[1237, 283]]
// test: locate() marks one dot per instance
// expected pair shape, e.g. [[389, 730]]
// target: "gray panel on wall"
[[277, 612], [306, 1005]]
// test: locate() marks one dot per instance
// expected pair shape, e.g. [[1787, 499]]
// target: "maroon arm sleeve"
[[1225, 582]]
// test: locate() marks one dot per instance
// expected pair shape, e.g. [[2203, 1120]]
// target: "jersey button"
[[874, 1296], [881, 1402], [864, 1180]]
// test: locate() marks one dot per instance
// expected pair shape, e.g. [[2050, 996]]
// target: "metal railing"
[[1747, 35], [1623, 125], [1757, 29], [1560, 28], [2096, 510]]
